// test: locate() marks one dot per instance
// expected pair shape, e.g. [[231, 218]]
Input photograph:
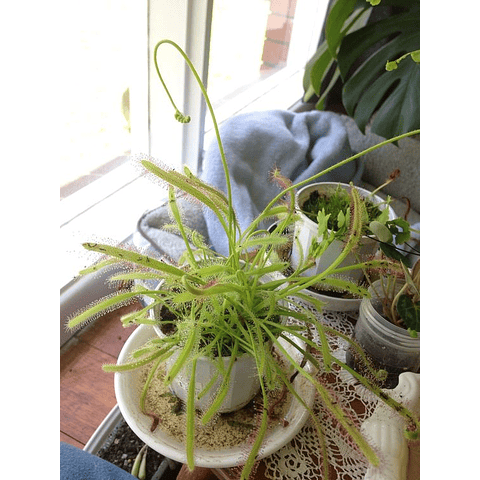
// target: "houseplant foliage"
[[324, 212], [228, 305], [378, 63], [402, 307]]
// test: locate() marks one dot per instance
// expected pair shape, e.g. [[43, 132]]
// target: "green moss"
[[334, 205]]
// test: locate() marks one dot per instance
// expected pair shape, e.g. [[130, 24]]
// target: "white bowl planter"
[[306, 231], [390, 347], [128, 386]]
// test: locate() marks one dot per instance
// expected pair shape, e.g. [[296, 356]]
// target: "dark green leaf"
[[368, 86], [310, 64], [358, 43], [409, 311], [337, 16], [318, 67], [400, 112], [391, 252]]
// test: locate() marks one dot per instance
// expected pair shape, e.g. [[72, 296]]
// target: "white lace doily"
[[301, 458]]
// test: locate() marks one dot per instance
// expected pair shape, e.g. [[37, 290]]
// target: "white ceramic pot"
[[389, 346], [306, 231], [336, 304], [244, 382]]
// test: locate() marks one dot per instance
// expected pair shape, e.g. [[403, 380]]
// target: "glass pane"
[[249, 41], [96, 126]]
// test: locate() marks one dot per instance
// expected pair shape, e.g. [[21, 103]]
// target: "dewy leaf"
[[409, 312]]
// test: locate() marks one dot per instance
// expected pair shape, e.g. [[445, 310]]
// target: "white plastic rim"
[[128, 388], [306, 231], [336, 304]]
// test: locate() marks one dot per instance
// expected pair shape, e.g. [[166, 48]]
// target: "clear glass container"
[[388, 346]]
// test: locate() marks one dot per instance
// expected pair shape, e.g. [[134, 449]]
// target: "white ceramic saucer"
[[127, 391]]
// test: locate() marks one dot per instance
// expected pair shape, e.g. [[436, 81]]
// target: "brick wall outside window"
[[278, 34]]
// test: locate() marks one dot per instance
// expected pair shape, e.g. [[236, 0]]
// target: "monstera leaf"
[[345, 16], [359, 52], [369, 86]]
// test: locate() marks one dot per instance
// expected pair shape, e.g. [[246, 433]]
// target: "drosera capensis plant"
[[230, 304]]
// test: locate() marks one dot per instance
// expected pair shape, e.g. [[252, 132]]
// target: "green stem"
[[191, 418], [232, 224], [178, 219]]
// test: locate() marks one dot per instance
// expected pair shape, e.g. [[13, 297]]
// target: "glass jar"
[[387, 345]]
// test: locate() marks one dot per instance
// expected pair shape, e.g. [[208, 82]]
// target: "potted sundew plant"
[[224, 308]]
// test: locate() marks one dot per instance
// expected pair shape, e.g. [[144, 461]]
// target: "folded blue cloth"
[[76, 464], [299, 144]]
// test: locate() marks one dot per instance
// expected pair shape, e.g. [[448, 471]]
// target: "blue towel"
[[299, 144], [76, 464]]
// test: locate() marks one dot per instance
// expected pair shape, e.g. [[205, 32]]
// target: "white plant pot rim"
[[127, 391], [314, 186], [306, 230], [335, 304]]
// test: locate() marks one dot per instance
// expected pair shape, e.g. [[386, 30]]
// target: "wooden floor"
[[86, 391]]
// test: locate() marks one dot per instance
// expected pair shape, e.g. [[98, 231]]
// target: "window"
[[282, 34], [96, 114], [258, 52], [104, 120], [256, 57]]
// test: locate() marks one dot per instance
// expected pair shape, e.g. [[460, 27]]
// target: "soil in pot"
[[122, 447]]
